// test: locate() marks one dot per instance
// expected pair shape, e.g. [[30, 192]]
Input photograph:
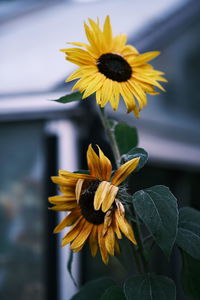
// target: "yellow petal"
[[117, 249], [118, 42], [110, 198], [107, 30], [67, 174], [77, 249], [93, 162], [123, 171], [64, 207], [102, 247], [99, 166], [116, 96], [83, 235], [116, 228], [106, 91], [68, 182], [98, 35], [89, 48], [145, 57], [98, 97], [105, 165], [74, 75], [67, 221], [110, 241], [101, 194], [78, 44], [129, 50], [66, 190], [62, 199], [107, 221], [94, 85], [74, 231], [79, 189], [138, 93], [91, 37], [93, 240], [125, 226], [128, 97]]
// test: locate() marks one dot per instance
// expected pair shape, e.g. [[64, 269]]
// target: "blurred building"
[[39, 136]]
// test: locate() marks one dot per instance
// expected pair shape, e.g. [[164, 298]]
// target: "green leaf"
[[188, 237], [113, 293], [94, 289], [69, 98], [157, 208], [126, 137], [69, 267], [136, 152], [149, 287], [190, 276]]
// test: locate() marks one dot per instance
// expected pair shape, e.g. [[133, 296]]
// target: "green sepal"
[[133, 153], [113, 293], [149, 287], [76, 96], [190, 276], [157, 208], [126, 137], [188, 237], [82, 171], [69, 266], [94, 289]]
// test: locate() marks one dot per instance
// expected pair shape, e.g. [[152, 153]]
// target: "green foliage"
[[126, 137], [69, 98], [188, 237], [113, 293], [191, 276], [149, 287], [94, 289], [136, 152], [157, 208]]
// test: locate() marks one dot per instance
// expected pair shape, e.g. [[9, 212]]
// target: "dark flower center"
[[86, 203], [114, 67]]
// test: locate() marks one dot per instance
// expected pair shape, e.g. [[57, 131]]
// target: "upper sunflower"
[[111, 68], [95, 212]]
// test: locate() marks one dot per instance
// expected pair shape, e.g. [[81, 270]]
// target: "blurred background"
[[38, 136]]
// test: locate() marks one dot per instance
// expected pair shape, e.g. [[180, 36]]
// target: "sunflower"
[[111, 68], [95, 214]]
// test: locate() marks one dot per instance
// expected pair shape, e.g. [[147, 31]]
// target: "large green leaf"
[[149, 287], [94, 289], [136, 152], [157, 208], [126, 137], [113, 293], [191, 276], [70, 98], [188, 237]]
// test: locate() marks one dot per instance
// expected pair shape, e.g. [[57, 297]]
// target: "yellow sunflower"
[[111, 68], [95, 212]]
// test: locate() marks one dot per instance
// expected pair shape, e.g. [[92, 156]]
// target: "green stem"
[[111, 136], [147, 238], [140, 260], [138, 236], [137, 260]]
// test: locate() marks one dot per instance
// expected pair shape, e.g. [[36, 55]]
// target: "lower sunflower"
[[95, 214]]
